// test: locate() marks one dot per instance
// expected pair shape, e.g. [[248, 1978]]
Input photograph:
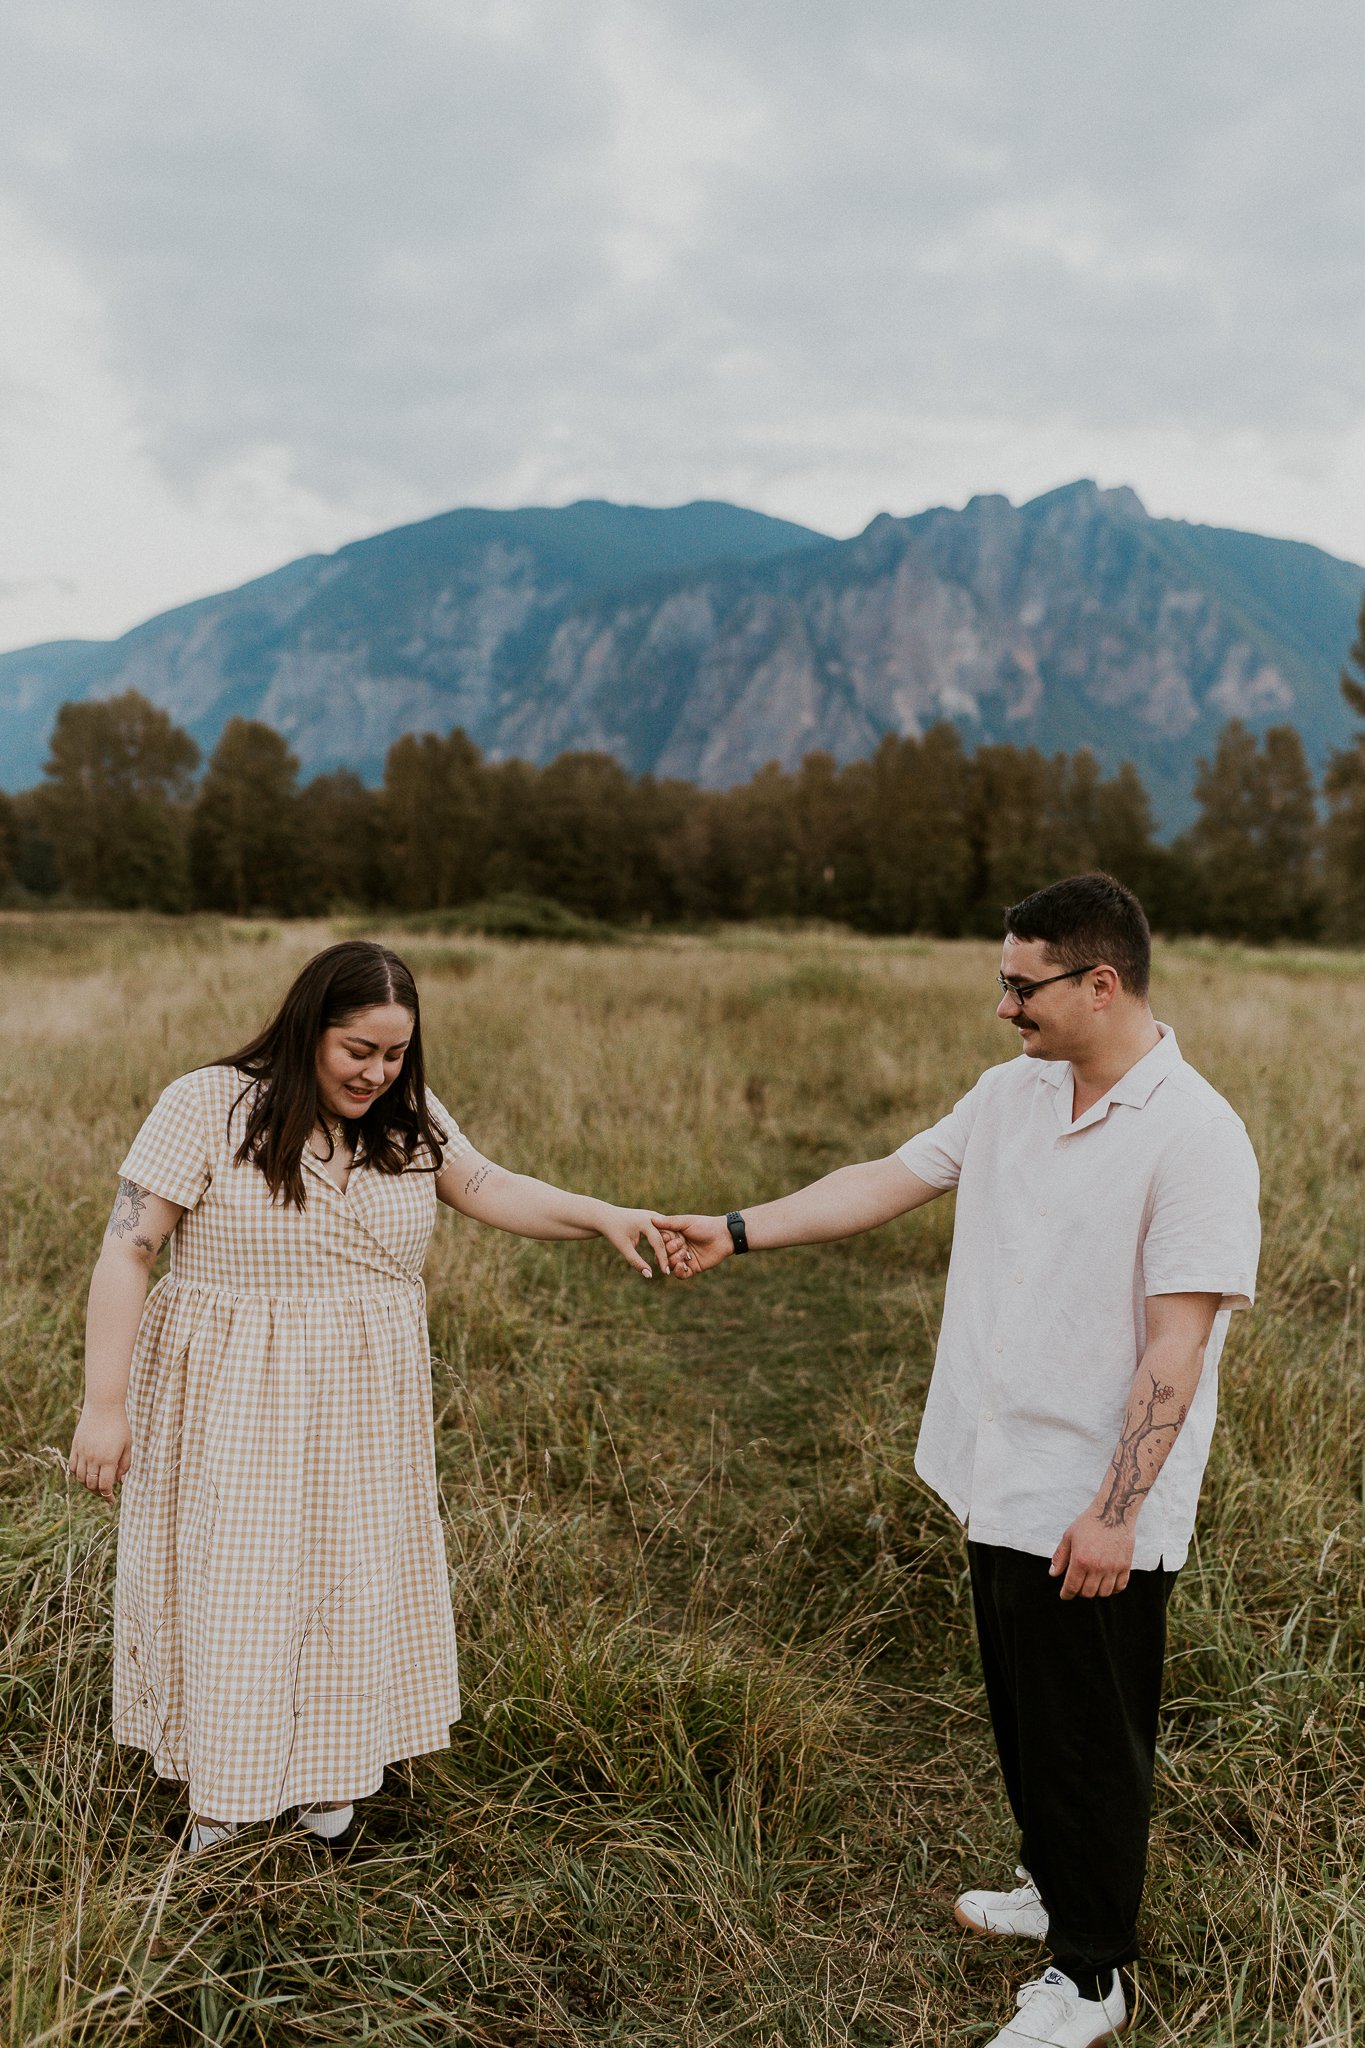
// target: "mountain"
[[1073, 620], [418, 629], [706, 640]]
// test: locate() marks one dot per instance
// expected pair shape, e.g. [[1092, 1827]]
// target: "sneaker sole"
[[1110, 2033], [992, 1933]]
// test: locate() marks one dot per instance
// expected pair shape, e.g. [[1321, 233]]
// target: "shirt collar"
[[1135, 1088], [1141, 1081]]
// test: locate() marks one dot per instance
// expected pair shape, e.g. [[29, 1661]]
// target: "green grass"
[[508, 916], [724, 1762]]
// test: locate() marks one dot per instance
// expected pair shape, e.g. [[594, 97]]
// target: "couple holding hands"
[[283, 1626]]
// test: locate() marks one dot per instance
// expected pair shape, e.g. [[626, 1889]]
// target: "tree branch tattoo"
[[125, 1219], [1135, 1467]]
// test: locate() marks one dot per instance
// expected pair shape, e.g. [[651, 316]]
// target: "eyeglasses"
[[1024, 991]]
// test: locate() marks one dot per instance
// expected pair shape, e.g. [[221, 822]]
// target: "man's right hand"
[[694, 1243]]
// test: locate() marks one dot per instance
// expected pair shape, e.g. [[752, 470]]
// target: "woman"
[[282, 1620]]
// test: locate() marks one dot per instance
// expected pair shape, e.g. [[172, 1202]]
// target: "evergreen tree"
[[1290, 841], [830, 807], [117, 781], [683, 875], [1125, 831], [1254, 843], [339, 829], [36, 871], [1164, 877], [1344, 833], [756, 846], [1011, 830], [919, 850], [582, 840], [1072, 810], [246, 841], [434, 820], [9, 841], [511, 791]]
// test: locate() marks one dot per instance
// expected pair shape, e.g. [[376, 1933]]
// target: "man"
[[1106, 1225]]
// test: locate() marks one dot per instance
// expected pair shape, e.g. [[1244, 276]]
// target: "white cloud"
[[277, 279], [94, 533]]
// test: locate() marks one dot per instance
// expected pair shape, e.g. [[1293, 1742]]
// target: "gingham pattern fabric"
[[282, 1620]]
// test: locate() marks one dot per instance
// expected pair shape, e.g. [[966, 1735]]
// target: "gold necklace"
[[336, 1132]]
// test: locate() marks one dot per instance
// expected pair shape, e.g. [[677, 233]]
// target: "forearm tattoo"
[[477, 1178], [1141, 1453], [125, 1219]]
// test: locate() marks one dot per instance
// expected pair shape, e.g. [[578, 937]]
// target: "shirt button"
[[988, 1418], [997, 1346], [1042, 1208], [1018, 1279]]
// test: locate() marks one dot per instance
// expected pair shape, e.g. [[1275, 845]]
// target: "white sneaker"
[[328, 1823], [1053, 2013], [1019, 1914], [201, 1835]]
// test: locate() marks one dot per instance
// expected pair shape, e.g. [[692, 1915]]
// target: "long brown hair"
[[357, 974]]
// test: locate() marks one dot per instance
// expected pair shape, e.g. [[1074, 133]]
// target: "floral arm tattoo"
[[1141, 1453], [125, 1219]]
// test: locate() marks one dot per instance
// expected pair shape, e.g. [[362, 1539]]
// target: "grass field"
[[724, 1762]]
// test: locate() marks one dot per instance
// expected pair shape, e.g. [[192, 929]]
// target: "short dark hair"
[[356, 974], [1089, 918]]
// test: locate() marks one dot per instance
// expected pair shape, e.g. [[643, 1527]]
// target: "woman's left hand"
[[625, 1227]]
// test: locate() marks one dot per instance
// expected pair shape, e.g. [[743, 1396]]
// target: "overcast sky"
[[275, 276]]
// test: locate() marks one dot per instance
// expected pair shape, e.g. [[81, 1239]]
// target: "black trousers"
[[1074, 1688]]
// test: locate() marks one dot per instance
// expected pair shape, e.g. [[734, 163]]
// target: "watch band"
[[738, 1235]]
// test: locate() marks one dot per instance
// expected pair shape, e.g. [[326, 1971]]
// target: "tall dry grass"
[[724, 1762]]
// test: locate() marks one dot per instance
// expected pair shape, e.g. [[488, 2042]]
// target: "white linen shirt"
[[1062, 1231]]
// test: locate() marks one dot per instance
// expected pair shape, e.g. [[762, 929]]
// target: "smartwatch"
[[738, 1235]]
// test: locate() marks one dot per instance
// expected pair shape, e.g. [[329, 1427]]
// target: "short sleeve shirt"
[[1063, 1230]]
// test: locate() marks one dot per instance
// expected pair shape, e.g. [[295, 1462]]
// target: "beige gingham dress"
[[282, 1618]]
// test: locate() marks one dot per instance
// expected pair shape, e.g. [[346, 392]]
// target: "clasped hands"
[[693, 1244], [683, 1245]]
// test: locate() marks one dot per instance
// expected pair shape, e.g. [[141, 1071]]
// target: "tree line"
[[924, 836]]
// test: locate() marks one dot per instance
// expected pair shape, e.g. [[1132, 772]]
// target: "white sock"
[[207, 1834], [328, 1825]]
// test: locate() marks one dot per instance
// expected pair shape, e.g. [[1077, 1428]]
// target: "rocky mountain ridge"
[[705, 640]]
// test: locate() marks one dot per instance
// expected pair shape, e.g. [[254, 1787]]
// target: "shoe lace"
[[1048, 1988]]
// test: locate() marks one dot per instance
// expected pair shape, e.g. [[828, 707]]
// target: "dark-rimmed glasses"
[[1024, 991]]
